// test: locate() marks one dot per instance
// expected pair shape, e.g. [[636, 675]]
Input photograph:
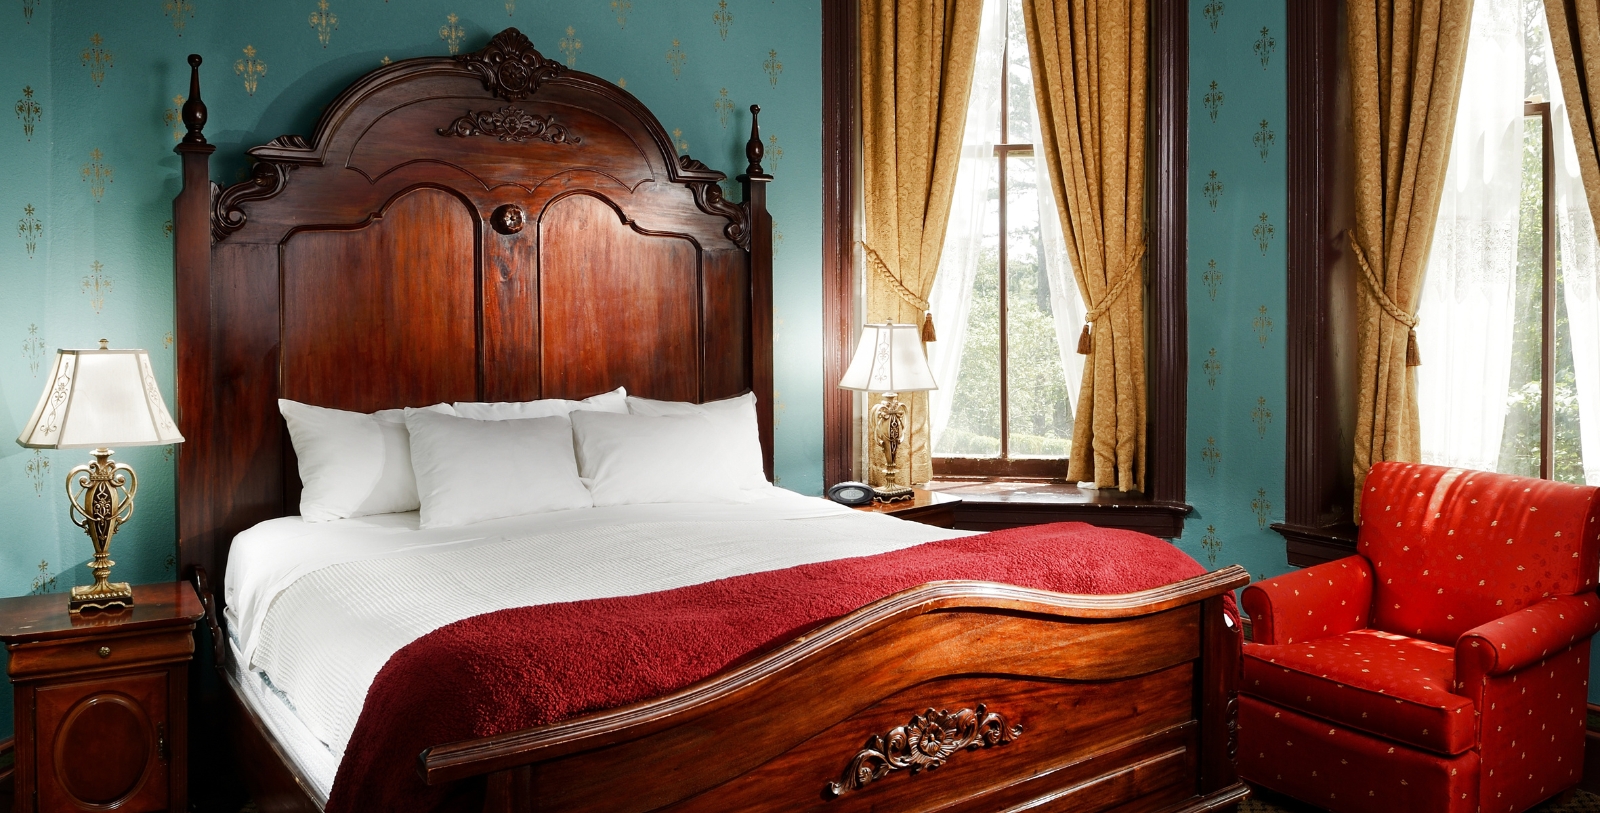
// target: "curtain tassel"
[[1085, 343], [1413, 355], [928, 335]]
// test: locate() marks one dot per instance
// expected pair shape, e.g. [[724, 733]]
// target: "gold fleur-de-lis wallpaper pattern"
[[452, 32], [33, 349], [1264, 47], [29, 111], [570, 46], [29, 228], [1262, 325], [43, 582], [676, 58], [774, 154], [1238, 100], [178, 10], [511, 8], [251, 69], [173, 118], [97, 284], [97, 58], [1213, 100], [27, 10], [1212, 278], [679, 141], [621, 9], [324, 22], [97, 173], [772, 67], [38, 470], [723, 18], [724, 107], [1264, 139]]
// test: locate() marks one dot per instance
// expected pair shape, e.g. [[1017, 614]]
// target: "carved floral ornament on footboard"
[[925, 743]]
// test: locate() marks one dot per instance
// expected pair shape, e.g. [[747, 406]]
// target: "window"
[[1514, 250], [1007, 308]]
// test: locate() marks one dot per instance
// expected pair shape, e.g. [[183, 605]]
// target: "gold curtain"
[[916, 75], [1575, 38], [1406, 59], [1089, 77]]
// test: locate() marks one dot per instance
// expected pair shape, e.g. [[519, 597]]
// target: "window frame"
[[1166, 280]]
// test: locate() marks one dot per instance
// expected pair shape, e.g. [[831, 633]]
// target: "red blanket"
[[532, 666]]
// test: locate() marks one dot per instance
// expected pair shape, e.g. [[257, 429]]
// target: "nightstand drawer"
[[100, 651]]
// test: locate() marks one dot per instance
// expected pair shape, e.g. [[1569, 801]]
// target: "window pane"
[[1041, 414], [1519, 446], [1021, 115], [974, 426]]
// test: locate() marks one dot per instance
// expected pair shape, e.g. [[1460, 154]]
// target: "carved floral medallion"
[[510, 123], [511, 68], [925, 743]]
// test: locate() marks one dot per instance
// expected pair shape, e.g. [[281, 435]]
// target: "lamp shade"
[[98, 399], [889, 359]]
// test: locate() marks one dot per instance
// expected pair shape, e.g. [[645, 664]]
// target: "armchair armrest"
[[1525, 638], [1329, 599]]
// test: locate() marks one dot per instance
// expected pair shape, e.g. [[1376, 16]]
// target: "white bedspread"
[[320, 607]]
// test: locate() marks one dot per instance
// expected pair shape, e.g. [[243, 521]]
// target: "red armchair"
[[1445, 666]]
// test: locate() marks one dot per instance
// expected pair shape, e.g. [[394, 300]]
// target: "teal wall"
[[1238, 277], [690, 62]]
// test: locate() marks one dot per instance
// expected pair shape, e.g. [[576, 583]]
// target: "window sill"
[[993, 504]]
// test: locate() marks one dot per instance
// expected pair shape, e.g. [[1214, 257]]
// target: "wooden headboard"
[[491, 226]]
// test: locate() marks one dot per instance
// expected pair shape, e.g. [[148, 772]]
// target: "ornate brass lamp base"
[[100, 596], [102, 499], [890, 417]]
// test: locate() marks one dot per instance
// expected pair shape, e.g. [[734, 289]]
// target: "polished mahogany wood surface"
[[101, 700], [28, 619], [491, 226], [924, 506]]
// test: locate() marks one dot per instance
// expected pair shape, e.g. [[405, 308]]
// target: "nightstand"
[[101, 701], [926, 507]]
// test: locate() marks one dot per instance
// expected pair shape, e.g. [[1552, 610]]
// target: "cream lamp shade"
[[889, 359], [100, 398]]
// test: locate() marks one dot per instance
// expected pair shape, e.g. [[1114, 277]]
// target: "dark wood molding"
[[841, 87], [1318, 480], [8, 768], [1168, 194], [1168, 396]]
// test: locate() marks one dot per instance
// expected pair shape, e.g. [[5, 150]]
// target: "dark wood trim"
[[1547, 309], [1160, 519], [1168, 393], [841, 87], [1318, 480], [8, 767], [1033, 468]]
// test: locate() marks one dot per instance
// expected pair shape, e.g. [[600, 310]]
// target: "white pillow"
[[737, 418], [628, 459], [613, 401], [351, 464], [470, 470]]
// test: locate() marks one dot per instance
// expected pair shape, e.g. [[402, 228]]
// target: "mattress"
[[317, 609]]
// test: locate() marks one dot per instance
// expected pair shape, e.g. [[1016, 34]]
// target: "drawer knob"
[[105, 652]]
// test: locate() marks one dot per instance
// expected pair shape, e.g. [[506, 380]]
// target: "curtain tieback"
[[1120, 284], [1413, 354], [877, 264]]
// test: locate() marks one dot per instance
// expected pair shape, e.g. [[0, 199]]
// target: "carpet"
[[1267, 802]]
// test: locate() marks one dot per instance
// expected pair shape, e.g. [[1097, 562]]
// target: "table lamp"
[[889, 360], [96, 399]]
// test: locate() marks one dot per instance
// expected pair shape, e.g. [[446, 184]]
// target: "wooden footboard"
[[953, 696]]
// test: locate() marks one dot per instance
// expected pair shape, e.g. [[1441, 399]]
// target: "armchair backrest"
[[1451, 548]]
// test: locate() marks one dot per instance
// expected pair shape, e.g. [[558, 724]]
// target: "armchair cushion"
[[1325, 600], [1371, 681], [1453, 549], [1524, 638]]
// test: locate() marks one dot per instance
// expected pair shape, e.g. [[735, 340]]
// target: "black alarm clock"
[[851, 492]]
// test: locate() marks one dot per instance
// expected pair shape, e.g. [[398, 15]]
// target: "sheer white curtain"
[[1579, 257], [1066, 302], [1465, 322], [973, 204]]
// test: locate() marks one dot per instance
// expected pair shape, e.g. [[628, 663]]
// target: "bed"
[[497, 227]]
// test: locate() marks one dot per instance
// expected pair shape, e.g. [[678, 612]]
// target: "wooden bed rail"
[[456, 761]]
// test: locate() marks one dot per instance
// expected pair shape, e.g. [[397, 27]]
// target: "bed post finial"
[[194, 110], [753, 149]]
